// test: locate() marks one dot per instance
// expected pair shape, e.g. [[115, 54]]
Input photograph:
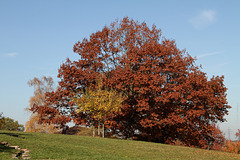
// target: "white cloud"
[[208, 54], [10, 55], [204, 19]]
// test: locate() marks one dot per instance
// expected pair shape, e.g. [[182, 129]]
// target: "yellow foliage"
[[41, 86], [99, 102], [33, 126]]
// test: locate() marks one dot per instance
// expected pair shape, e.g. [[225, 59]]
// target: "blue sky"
[[36, 37]]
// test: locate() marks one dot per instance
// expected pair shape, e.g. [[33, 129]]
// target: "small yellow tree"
[[33, 126], [41, 86], [99, 102]]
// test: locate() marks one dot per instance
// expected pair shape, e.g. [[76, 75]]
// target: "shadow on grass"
[[18, 135], [6, 149]]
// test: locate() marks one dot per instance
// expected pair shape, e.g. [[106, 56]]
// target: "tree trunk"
[[103, 130], [93, 131], [98, 128], [64, 130]]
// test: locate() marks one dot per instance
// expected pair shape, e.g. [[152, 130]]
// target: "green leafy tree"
[[1, 121], [10, 124]]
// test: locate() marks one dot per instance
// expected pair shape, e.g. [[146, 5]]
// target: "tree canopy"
[[7, 123], [98, 103], [1, 120], [167, 96], [41, 87]]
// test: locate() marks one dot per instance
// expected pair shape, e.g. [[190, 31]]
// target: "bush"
[[7, 123], [232, 147], [1, 121]]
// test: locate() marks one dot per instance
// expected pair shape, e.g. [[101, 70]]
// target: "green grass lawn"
[[49, 146]]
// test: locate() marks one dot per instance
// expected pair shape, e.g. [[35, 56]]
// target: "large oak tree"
[[167, 96]]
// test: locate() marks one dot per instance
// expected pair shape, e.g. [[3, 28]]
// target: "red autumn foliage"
[[168, 97], [219, 139], [217, 143], [232, 147]]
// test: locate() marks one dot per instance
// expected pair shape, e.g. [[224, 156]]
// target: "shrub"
[[7, 123], [232, 147]]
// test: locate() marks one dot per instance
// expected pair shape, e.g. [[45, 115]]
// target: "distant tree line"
[[7, 123]]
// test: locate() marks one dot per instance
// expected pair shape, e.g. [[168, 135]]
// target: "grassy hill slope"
[[47, 146]]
